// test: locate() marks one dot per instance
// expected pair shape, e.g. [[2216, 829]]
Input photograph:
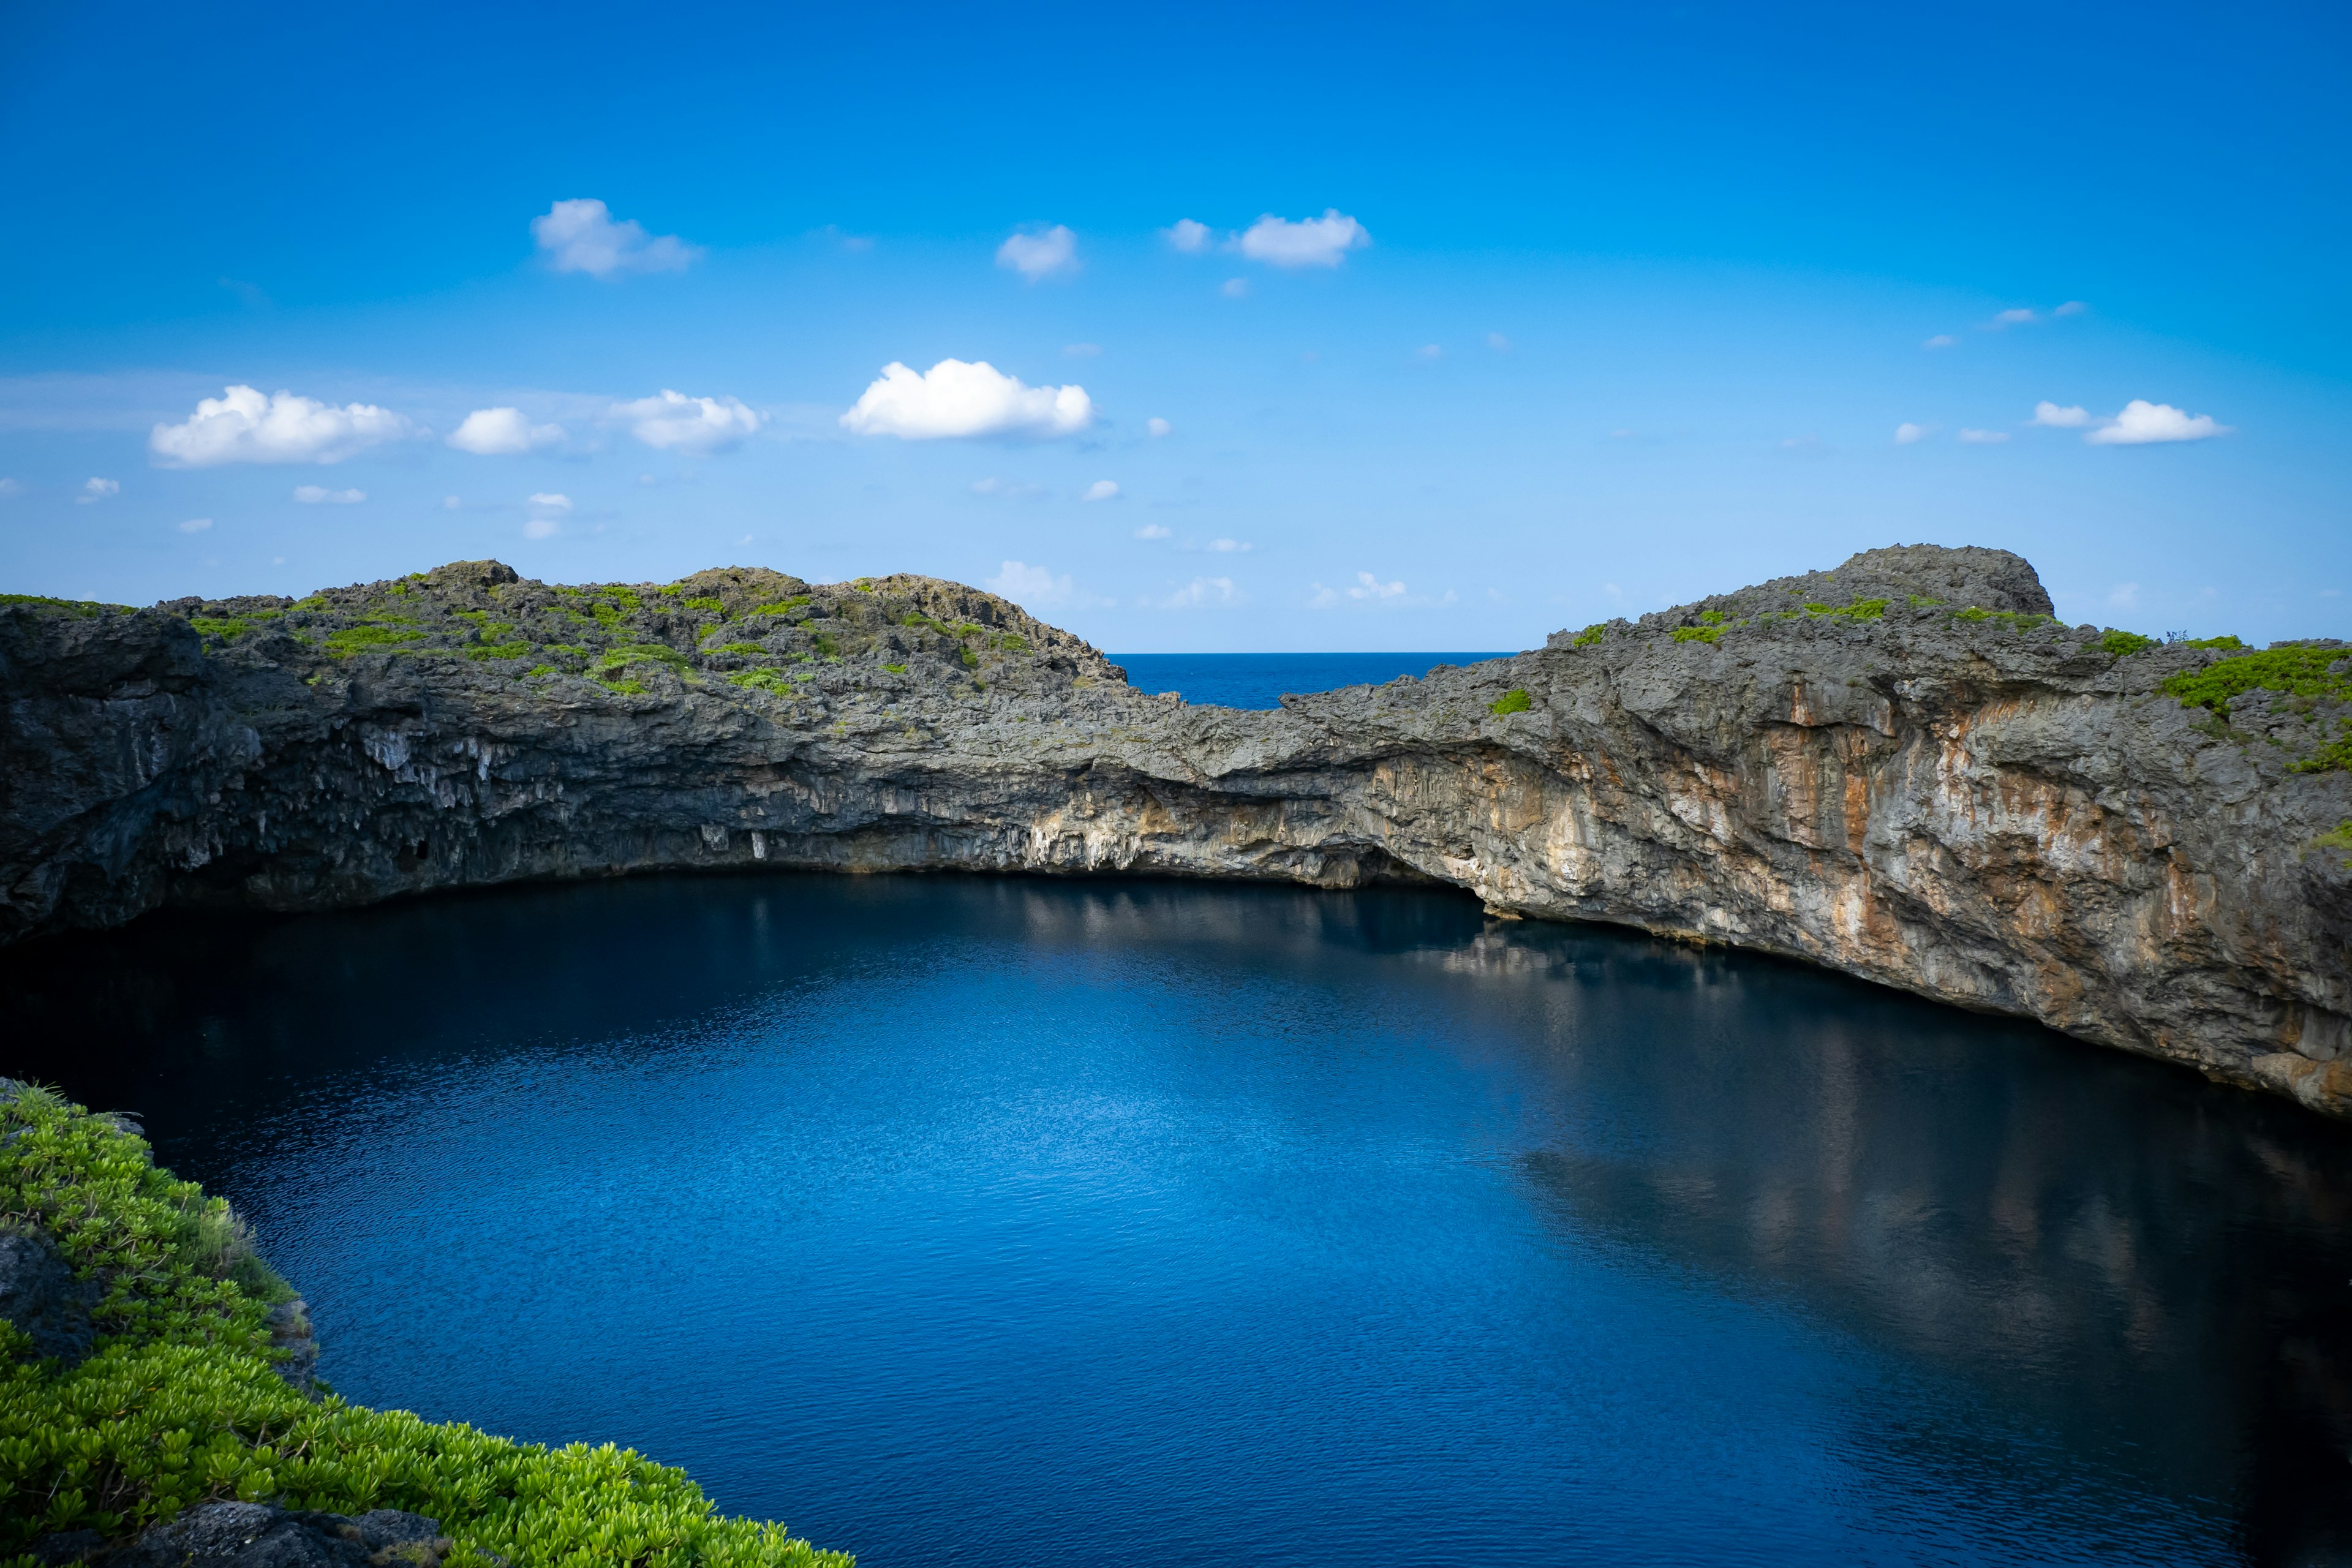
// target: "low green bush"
[[2123, 645], [2309, 675], [1699, 633], [359, 639], [179, 1404], [1590, 635], [1514, 700]]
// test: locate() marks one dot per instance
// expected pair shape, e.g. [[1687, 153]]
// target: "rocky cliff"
[[1903, 768]]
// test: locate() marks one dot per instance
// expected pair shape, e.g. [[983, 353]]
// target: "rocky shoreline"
[[1902, 769]]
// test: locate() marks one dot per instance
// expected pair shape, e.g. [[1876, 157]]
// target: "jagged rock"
[[1946, 791], [260, 1535], [39, 1294], [291, 1332]]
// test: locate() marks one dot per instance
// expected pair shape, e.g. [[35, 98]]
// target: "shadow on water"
[[2090, 1298]]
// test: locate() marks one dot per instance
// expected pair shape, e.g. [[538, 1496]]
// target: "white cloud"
[[1102, 490], [1498, 343], [542, 528], [1311, 242], [2004, 320], [1940, 340], [1151, 530], [1813, 443], [2123, 596], [1429, 351], [1158, 426], [1983, 437], [955, 399], [1230, 546], [11, 487], [2049, 413], [241, 426], [1366, 588], [2142, 423], [2070, 308], [1201, 592], [450, 503], [195, 525], [1028, 586], [320, 495], [581, 237], [556, 502], [1234, 287], [1015, 489], [98, 489], [696, 425], [1188, 236], [1043, 253], [502, 432], [1906, 434]]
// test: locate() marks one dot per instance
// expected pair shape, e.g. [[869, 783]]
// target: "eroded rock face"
[[1920, 779], [41, 1296]]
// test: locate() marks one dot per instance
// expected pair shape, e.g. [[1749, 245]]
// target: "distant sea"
[[1259, 680]]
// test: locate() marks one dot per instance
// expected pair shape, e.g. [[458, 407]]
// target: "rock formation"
[[1902, 769]]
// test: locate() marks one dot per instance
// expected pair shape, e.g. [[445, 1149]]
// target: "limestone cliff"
[[1902, 769]]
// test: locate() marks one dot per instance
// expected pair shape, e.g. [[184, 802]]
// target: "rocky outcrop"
[[41, 1298], [258, 1535], [1902, 769]]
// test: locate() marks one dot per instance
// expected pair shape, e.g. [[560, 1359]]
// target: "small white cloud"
[[241, 426], [195, 525], [2070, 308], [320, 495], [1158, 426], [1234, 287], [1812, 443], [2123, 596], [1368, 586], [674, 422], [1188, 236], [2003, 320], [1983, 437], [581, 237], [1230, 546], [1322, 599], [1151, 530], [1201, 592], [1102, 490], [1014, 489], [1081, 350], [1940, 340], [542, 528], [1429, 352], [502, 432], [450, 503], [11, 487], [555, 502], [955, 399], [98, 489], [1906, 434], [1041, 253], [2142, 423], [1028, 586], [1311, 242], [1498, 343], [2049, 413]]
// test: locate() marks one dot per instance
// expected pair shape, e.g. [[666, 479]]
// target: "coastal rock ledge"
[[1902, 769]]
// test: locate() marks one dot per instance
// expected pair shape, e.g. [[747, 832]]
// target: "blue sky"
[[1498, 319]]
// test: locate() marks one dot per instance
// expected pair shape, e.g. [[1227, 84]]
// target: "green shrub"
[[226, 628], [2299, 671], [2224, 641], [359, 639], [970, 659], [707, 604], [83, 607], [2123, 645], [1590, 635], [761, 680], [896, 669], [501, 651], [1860, 610], [780, 607], [180, 1406], [1697, 634], [1514, 700], [2016, 620]]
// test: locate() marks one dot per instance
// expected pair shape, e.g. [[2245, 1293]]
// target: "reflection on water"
[[962, 1220]]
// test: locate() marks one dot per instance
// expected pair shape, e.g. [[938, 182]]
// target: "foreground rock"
[[1902, 769], [258, 1535]]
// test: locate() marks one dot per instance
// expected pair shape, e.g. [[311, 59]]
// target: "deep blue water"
[[1259, 680], [970, 1221]]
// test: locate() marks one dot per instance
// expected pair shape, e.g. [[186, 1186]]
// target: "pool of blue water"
[[957, 1220], [1259, 680]]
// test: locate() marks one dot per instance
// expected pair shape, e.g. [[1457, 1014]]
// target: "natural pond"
[[957, 1220]]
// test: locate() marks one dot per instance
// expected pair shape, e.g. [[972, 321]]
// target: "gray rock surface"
[[258, 1535], [39, 1295], [1920, 779]]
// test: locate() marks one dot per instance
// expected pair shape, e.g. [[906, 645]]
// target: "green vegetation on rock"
[[180, 1403], [1514, 700], [360, 639], [2307, 675], [1590, 635], [1699, 633], [2123, 644]]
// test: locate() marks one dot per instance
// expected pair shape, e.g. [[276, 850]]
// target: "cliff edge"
[[1901, 768]]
